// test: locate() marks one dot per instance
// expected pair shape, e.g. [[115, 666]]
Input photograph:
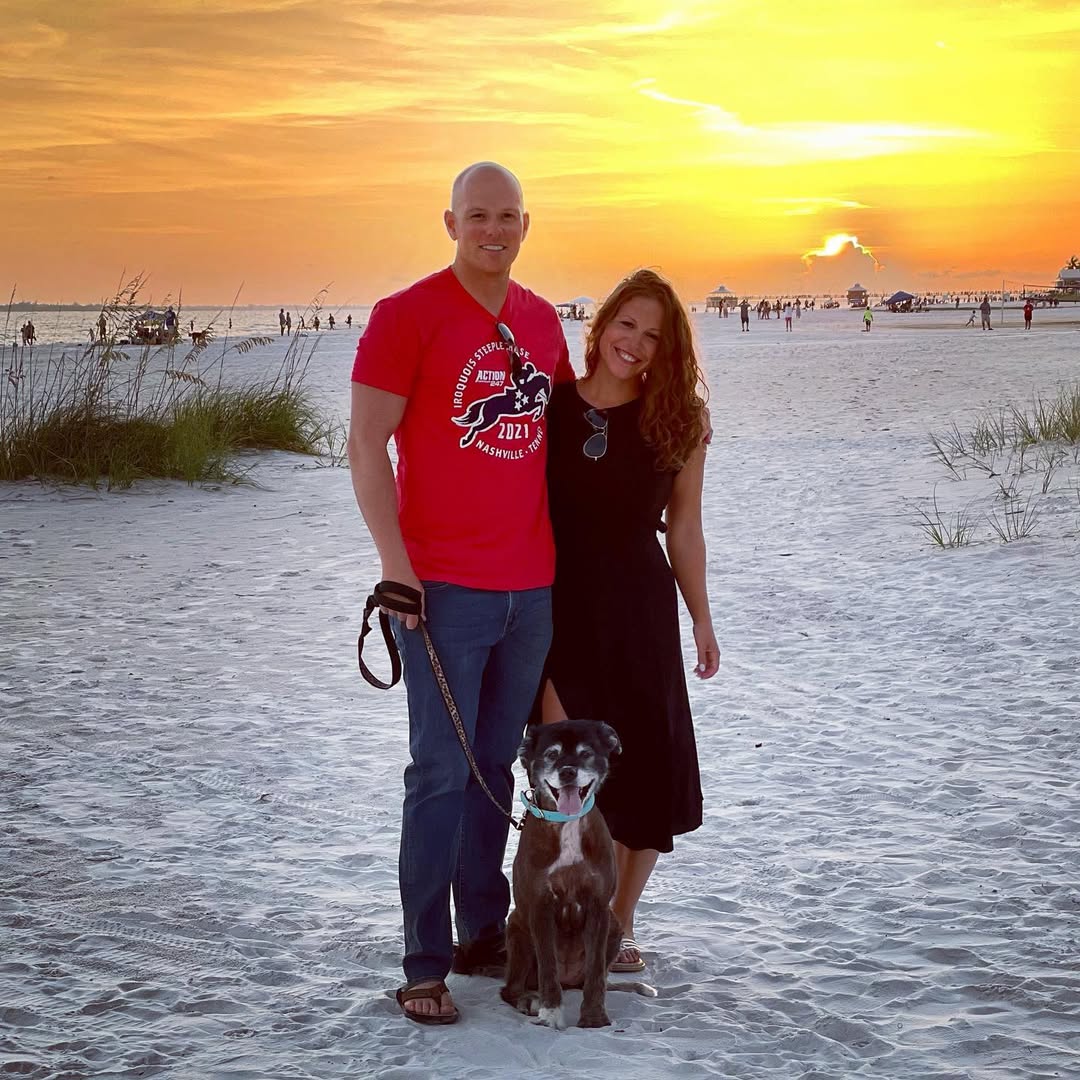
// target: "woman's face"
[[629, 342]]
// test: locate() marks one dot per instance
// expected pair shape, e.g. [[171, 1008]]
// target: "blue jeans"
[[492, 646]]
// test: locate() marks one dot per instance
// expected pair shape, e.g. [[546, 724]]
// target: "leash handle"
[[396, 597]]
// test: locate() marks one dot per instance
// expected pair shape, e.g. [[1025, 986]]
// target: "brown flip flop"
[[434, 993]]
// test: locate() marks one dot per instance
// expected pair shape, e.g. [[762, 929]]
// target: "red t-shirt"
[[471, 445]]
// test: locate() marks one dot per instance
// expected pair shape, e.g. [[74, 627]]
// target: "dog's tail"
[[644, 989]]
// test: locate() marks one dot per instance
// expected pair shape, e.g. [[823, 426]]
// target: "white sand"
[[200, 795]]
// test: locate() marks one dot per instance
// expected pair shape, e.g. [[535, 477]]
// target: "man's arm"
[[375, 417]]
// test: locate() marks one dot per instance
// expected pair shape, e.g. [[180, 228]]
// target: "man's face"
[[488, 222]]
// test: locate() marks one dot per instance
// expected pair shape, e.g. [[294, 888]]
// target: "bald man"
[[458, 369]]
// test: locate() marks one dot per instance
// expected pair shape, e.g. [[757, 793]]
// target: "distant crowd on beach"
[[165, 328], [285, 322]]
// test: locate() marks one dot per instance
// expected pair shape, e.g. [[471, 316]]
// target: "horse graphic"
[[526, 395]]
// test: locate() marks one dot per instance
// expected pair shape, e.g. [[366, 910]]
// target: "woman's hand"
[[708, 651]]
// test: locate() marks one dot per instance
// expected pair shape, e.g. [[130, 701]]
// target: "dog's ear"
[[528, 745], [609, 739]]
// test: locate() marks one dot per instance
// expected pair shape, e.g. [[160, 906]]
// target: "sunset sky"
[[279, 146]]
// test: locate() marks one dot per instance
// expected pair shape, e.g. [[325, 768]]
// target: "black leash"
[[393, 596]]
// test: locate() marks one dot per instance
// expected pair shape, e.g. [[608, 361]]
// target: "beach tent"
[[900, 301], [574, 309], [149, 328]]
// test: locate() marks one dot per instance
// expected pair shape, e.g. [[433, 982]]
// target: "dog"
[[200, 337], [562, 933]]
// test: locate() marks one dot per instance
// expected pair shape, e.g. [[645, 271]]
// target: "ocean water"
[[68, 326]]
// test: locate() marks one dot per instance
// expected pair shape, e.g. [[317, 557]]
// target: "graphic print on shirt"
[[504, 424]]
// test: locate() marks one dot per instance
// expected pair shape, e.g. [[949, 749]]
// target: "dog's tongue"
[[569, 800]]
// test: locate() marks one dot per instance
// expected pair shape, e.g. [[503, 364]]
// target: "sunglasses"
[[507, 335], [596, 444]]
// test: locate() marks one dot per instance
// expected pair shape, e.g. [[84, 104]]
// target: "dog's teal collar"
[[554, 815]]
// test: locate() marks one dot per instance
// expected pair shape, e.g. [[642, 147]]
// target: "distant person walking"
[[787, 315], [1029, 307], [348, 321], [868, 319], [984, 310], [288, 322], [744, 316], [331, 320], [971, 321], [101, 326], [282, 321]]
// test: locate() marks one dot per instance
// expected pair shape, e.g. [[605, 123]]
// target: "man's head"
[[487, 219]]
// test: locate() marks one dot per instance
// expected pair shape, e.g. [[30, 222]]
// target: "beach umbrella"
[[899, 297]]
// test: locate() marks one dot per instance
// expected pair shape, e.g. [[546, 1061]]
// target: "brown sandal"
[[434, 993]]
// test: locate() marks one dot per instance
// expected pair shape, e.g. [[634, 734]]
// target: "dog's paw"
[[593, 1018], [529, 1004], [551, 1017]]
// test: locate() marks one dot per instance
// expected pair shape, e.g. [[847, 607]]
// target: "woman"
[[626, 449]]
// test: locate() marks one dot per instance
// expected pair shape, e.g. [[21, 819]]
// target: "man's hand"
[[405, 577]]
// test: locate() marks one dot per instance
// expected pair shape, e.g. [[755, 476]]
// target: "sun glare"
[[839, 244]]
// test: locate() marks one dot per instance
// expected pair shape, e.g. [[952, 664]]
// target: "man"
[[744, 315], [868, 319], [459, 368], [984, 310], [281, 322], [1029, 307]]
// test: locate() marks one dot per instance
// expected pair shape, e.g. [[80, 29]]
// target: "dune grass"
[[1012, 430], [945, 531], [114, 413], [1005, 444]]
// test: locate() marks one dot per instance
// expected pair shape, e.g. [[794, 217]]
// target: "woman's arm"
[[686, 551]]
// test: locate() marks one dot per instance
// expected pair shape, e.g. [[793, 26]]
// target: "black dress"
[[616, 654]]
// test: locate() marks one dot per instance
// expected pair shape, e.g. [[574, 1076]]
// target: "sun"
[[838, 244]]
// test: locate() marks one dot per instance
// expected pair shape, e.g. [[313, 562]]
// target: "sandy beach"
[[200, 795]]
